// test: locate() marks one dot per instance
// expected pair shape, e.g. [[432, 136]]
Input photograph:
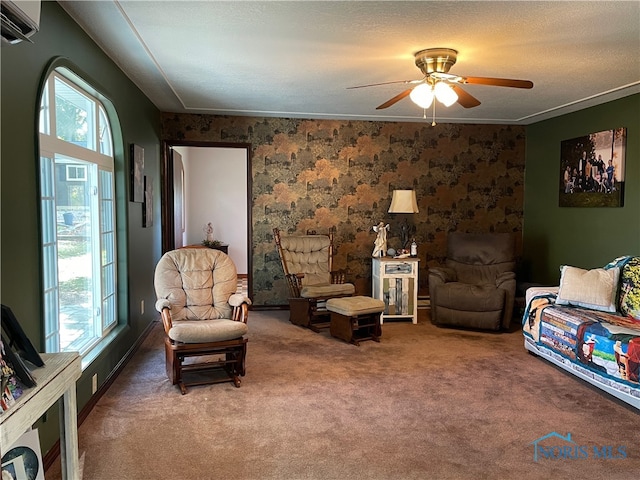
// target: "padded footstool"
[[355, 319]]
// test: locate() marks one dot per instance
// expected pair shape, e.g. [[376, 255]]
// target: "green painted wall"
[[583, 237], [23, 67]]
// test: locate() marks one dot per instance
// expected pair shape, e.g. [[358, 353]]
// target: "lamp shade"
[[403, 201]]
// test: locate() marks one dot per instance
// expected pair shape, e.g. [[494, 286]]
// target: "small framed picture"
[[18, 340], [137, 173], [147, 211], [24, 459]]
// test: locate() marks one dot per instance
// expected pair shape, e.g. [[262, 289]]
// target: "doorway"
[[175, 173]]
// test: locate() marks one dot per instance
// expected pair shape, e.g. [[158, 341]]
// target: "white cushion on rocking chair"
[[202, 331]]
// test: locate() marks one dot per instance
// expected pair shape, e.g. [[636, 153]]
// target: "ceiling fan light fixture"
[[438, 60], [438, 83], [445, 94], [422, 95]]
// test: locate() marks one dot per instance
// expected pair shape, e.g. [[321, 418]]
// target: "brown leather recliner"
[[477, 287]]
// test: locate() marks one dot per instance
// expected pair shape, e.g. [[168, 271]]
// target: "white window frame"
[[101, 188], [76, 169]]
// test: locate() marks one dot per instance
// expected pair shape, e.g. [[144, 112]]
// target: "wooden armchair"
[[205, 320], [307, 262]]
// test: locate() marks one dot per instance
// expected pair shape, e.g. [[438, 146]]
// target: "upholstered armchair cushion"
[[330, 290], [308, 254], [201, 331], [197, 283], [467, 305], [473, 298], [480, 258]]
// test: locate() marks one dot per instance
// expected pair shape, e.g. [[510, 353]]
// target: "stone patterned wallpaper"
[[317, 174]]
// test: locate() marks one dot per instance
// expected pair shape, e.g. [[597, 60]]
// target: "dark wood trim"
[[166, 181], [269, 307], [166, 197], [54, 452]]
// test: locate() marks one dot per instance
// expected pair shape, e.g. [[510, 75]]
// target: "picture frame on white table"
[[23, 461]]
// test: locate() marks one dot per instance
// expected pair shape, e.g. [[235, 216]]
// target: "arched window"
[[77, 199]]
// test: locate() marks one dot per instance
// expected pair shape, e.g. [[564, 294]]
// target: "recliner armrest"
[[238, 299], [504, 277], [165, 314], [507, 281], [438, 276], [444, 274], [240, 307], [162, 303]]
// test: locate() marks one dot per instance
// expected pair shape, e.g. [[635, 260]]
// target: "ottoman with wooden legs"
[[355, 319]]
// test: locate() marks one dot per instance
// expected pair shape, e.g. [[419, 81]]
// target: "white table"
[[56, 379], [395, 281]]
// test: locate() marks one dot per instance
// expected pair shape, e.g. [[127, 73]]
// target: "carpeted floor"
[[425, 403]]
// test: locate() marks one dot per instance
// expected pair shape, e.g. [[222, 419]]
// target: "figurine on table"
[[208, 230], [380, 244]]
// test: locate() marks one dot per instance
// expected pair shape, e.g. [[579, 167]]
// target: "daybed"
[[590, 326]]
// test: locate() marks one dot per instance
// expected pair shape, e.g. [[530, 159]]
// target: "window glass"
[[104, 133], [75, 117]]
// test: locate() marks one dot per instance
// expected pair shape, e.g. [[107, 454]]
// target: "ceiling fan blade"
[[464, 98], [498, 82], [384, 83], [395, 99]]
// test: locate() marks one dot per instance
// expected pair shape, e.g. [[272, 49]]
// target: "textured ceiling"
[[296, 59]]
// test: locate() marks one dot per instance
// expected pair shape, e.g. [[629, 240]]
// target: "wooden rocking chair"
[[307, 261], [205, 320]]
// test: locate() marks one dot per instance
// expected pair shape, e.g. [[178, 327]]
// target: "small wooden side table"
[[395, 282], [223, 247]]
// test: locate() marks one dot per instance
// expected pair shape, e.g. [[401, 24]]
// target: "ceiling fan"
[[439, 84]]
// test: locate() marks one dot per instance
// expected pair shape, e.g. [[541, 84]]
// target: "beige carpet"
[[425, 403]]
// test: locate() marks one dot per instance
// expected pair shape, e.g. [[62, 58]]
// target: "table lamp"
[[404, 201]]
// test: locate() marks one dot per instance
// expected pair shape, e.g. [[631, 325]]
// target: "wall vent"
[[20, 20]]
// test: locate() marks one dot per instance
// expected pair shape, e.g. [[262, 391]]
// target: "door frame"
[[166, 180]]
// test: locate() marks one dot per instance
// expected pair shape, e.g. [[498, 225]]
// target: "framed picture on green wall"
[[592, 169], [137, 173], [147, 205]]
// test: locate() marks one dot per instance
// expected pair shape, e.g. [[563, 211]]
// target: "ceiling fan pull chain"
[[433, 123]]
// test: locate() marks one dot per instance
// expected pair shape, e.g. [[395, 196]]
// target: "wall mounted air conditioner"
[[20, 19]]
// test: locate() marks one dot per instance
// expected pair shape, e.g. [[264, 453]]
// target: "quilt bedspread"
[[597, 344]]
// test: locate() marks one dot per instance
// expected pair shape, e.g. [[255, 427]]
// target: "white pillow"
[[595, 289]]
